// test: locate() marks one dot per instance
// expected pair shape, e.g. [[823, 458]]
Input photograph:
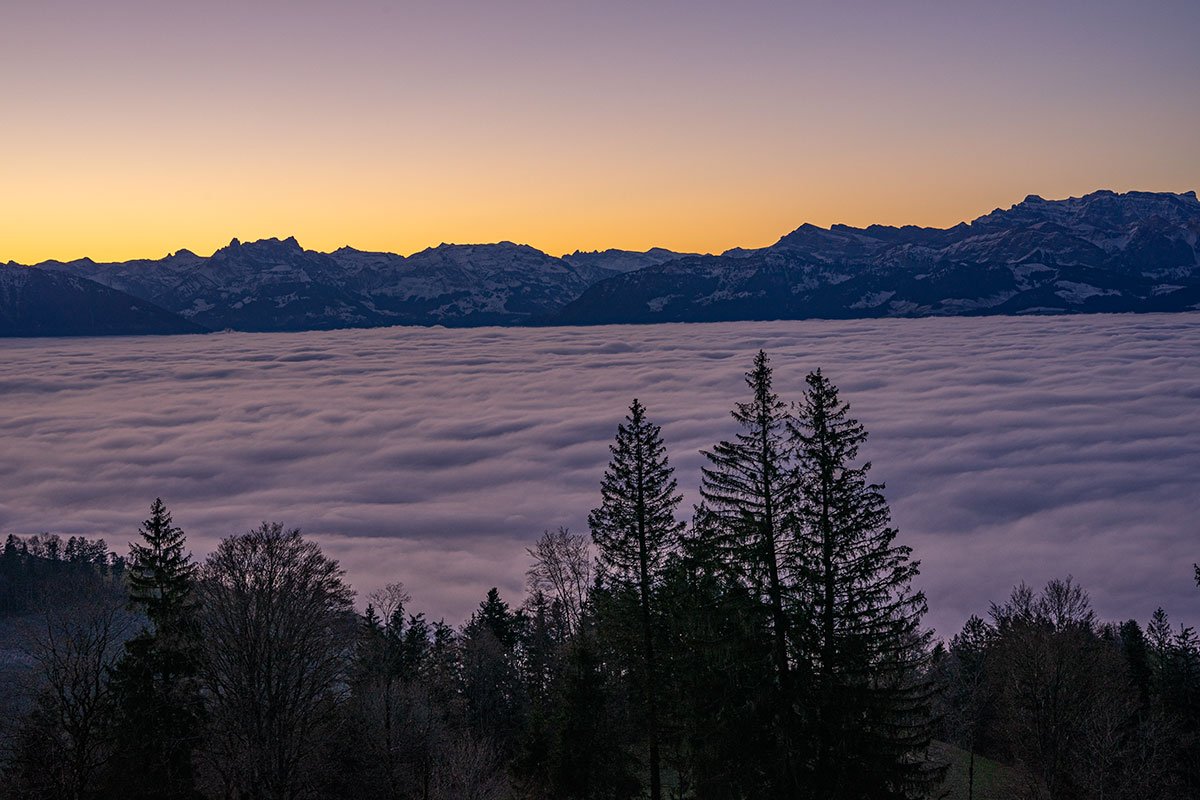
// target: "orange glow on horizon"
[[122, 233], [133, 129]]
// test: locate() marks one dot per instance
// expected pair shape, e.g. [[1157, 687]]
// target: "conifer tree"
[[494, 616], [745, 528], [491, 686], [161, 573], [746, 517], [158, 701], [586, 758], [862, 634], [635, 531], [721, 699]]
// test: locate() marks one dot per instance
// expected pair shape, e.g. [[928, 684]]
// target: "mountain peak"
[[495, 246], [807, 233], [1104, 251], [288, 246]]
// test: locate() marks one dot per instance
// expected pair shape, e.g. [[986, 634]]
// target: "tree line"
[[36, 570], [769, 647]]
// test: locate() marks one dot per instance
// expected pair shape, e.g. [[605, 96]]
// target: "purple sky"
[[134, 128], [1013, 449]]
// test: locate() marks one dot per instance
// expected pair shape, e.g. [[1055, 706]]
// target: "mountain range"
[[1103, 252]]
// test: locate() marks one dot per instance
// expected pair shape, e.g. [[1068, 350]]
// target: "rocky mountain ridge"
[[1101, 252], [1104, 251], [275, 284]]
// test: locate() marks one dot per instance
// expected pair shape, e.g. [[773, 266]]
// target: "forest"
[[768, 646]]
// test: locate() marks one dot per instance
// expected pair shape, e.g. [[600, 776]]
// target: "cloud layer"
[[1012, 449]]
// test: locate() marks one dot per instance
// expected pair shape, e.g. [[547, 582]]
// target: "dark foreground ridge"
[[1103, 252]]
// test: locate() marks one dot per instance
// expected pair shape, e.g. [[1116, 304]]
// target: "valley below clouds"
[[1012, 448]]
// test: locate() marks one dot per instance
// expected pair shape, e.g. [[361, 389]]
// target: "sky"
[[1012, 449], [134, 128]]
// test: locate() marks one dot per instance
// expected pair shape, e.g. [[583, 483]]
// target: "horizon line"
[[237, 240]]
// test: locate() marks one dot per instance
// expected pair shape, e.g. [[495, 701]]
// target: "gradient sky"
[[133, 128]]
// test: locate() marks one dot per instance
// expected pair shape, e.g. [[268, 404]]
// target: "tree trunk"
[[971, 776], [648, 638]]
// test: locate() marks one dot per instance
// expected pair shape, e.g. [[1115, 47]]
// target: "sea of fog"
[[1012, 449]]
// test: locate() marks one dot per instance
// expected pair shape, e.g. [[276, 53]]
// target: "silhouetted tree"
[[490, 677], [967, 683], [635, 531], [746, 527], [862, 637], [562, 571], [720, 704], [1051, 669], [64, 744], [587, 758], [34, 574], [1175, 670], [158, 703], [279, 625]]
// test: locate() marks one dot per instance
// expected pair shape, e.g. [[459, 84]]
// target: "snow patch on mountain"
[[1103, 251], [1077, 293], [873, 300]]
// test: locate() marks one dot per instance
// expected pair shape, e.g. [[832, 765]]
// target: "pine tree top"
[[747, 488], [161, 572], [634, 527]]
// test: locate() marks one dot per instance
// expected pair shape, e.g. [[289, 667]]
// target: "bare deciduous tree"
[[388, 600], [61, 747], [562, 569], [278, 623], [1057, 689], [470, 770]]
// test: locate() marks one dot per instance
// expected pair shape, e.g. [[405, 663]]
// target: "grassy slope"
[[993, 781]]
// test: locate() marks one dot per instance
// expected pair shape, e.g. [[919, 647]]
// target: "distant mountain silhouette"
[[276, 285], [1100, 252], [36, 302], [622, 260]]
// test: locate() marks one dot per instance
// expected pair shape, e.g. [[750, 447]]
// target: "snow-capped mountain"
[[1101, 252], [472, 284], [622, 260], [258, 286], [36, 302], [276, 284]]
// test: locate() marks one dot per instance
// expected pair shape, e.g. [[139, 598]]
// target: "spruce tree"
[[491, 685], [746, 528], [635, 531], [721, 699], [587, 728], [862, 635], [158, 701]]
